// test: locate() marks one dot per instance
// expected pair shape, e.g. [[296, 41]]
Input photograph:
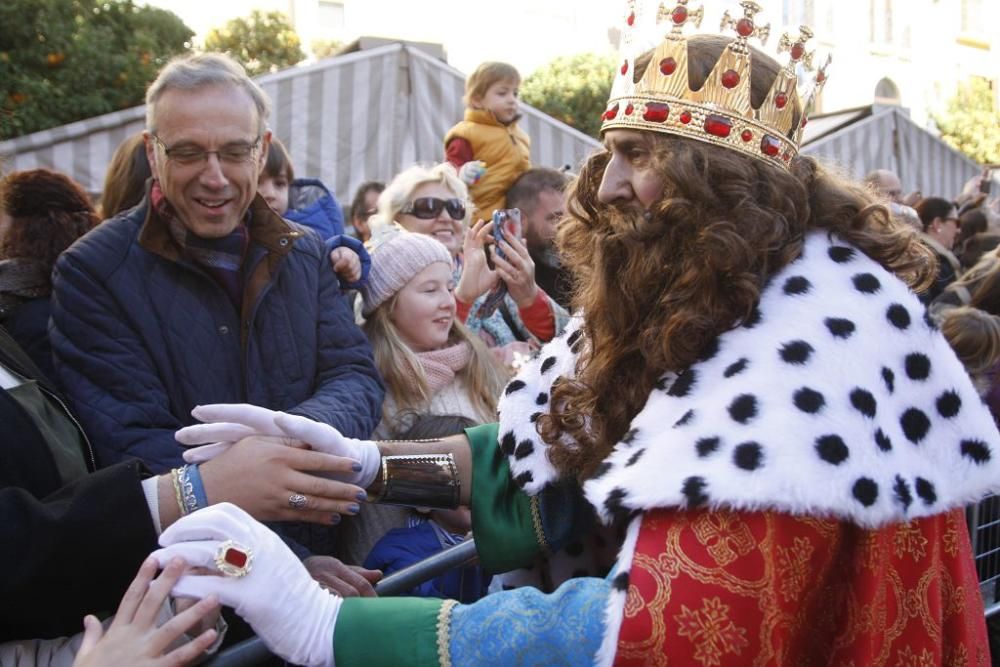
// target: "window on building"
[[798, 12], [881, 21], [330, 16], [887, 92], [973, 15]]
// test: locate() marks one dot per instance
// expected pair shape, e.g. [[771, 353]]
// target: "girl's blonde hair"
[[485, 76], [975, 336], [398, 193], [398, 364]]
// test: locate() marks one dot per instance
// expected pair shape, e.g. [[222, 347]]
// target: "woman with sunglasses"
[[433, 201], [941, 224]]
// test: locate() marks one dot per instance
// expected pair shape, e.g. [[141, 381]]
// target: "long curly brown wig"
[[658, 287], [48, 211]]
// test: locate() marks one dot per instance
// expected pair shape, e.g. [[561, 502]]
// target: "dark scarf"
[[23, 279], [221, 258]]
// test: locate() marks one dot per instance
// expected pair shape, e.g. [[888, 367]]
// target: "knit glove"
[[324, 438], [224, 424], [472, 171], [284, 605]]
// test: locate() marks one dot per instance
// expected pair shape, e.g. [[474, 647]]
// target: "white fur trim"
[[615, 611], [912, 455]]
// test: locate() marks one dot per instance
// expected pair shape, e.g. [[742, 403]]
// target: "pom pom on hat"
[[397, 256]]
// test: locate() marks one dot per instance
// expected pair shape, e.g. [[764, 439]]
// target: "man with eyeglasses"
[[203, 294]]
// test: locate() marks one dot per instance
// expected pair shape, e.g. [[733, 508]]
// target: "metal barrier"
[[253, 652], [984, 532]]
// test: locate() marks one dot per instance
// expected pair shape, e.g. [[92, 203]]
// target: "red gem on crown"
[[680, 14], [730, 78], [611, 113], [235, 557], [798, 50], [719, 126], [780, 100], [746, 136], [821, 76], [770, 145], [668, 66], [631, 18], [624, 68], [629, 109], [656, 112], [686, 117], [745, 27]]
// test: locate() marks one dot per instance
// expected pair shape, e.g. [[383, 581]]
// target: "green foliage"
[[971, 122], [263, 42], [66, 60], [325, 48], [573, 89]]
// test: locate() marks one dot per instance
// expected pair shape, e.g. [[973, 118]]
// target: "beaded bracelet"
[[194, 475], [178, 493]]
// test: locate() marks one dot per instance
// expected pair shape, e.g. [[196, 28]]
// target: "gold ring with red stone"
[[233, 559]]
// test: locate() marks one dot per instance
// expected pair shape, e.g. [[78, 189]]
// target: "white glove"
[[224, 424], [281, 602], [324, 438], [472, 171]]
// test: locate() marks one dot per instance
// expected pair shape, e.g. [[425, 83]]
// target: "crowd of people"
[[752, 441]]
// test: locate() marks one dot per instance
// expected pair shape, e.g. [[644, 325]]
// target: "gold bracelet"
[[178, 493], [421, 480]]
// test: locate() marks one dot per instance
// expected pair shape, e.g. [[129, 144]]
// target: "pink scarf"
[[440, 366]]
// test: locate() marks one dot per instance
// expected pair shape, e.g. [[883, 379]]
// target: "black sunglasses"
[[428, 208]]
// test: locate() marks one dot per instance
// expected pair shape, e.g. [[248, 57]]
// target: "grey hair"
[[199, 71], [397, 194]]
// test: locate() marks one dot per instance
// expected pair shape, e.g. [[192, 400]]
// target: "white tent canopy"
[[869, 138], [353, 118]]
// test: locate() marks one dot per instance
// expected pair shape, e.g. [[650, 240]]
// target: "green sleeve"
[[388, 631], [502, 523]]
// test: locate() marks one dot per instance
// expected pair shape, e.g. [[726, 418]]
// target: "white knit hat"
[[397, 256]]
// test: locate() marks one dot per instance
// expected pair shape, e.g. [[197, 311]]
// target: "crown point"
[[744, 27], [668, 66], [730, 78], [656, 112], [686, 117], [747, 136], [780, 100]]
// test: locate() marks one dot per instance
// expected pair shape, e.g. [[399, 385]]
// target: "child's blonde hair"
[[975, 337], [485, 76]]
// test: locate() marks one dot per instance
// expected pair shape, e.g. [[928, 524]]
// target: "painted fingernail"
[[335, 520], [362, 496], [353, 508], [356, 467]]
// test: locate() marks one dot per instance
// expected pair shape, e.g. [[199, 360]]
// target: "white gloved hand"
[[284, 605], [324, 438], [224, 424], [472, 171]]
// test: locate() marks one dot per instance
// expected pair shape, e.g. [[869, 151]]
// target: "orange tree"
[[66, 60]]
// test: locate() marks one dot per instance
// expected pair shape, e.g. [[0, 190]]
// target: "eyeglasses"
[[234, 153], [428, 208]]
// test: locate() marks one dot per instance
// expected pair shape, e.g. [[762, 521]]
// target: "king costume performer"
[[790, 492]]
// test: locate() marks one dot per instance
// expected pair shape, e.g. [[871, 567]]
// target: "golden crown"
[[720, 112]]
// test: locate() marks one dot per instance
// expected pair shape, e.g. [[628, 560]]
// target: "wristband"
[[188, 498], [194, 474], [178, 492], [426, 480]]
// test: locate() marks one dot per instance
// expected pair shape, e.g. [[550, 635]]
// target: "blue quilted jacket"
[[141, 335], [311, 203]]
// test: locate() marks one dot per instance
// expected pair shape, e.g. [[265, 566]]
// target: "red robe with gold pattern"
[[762, 588]]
